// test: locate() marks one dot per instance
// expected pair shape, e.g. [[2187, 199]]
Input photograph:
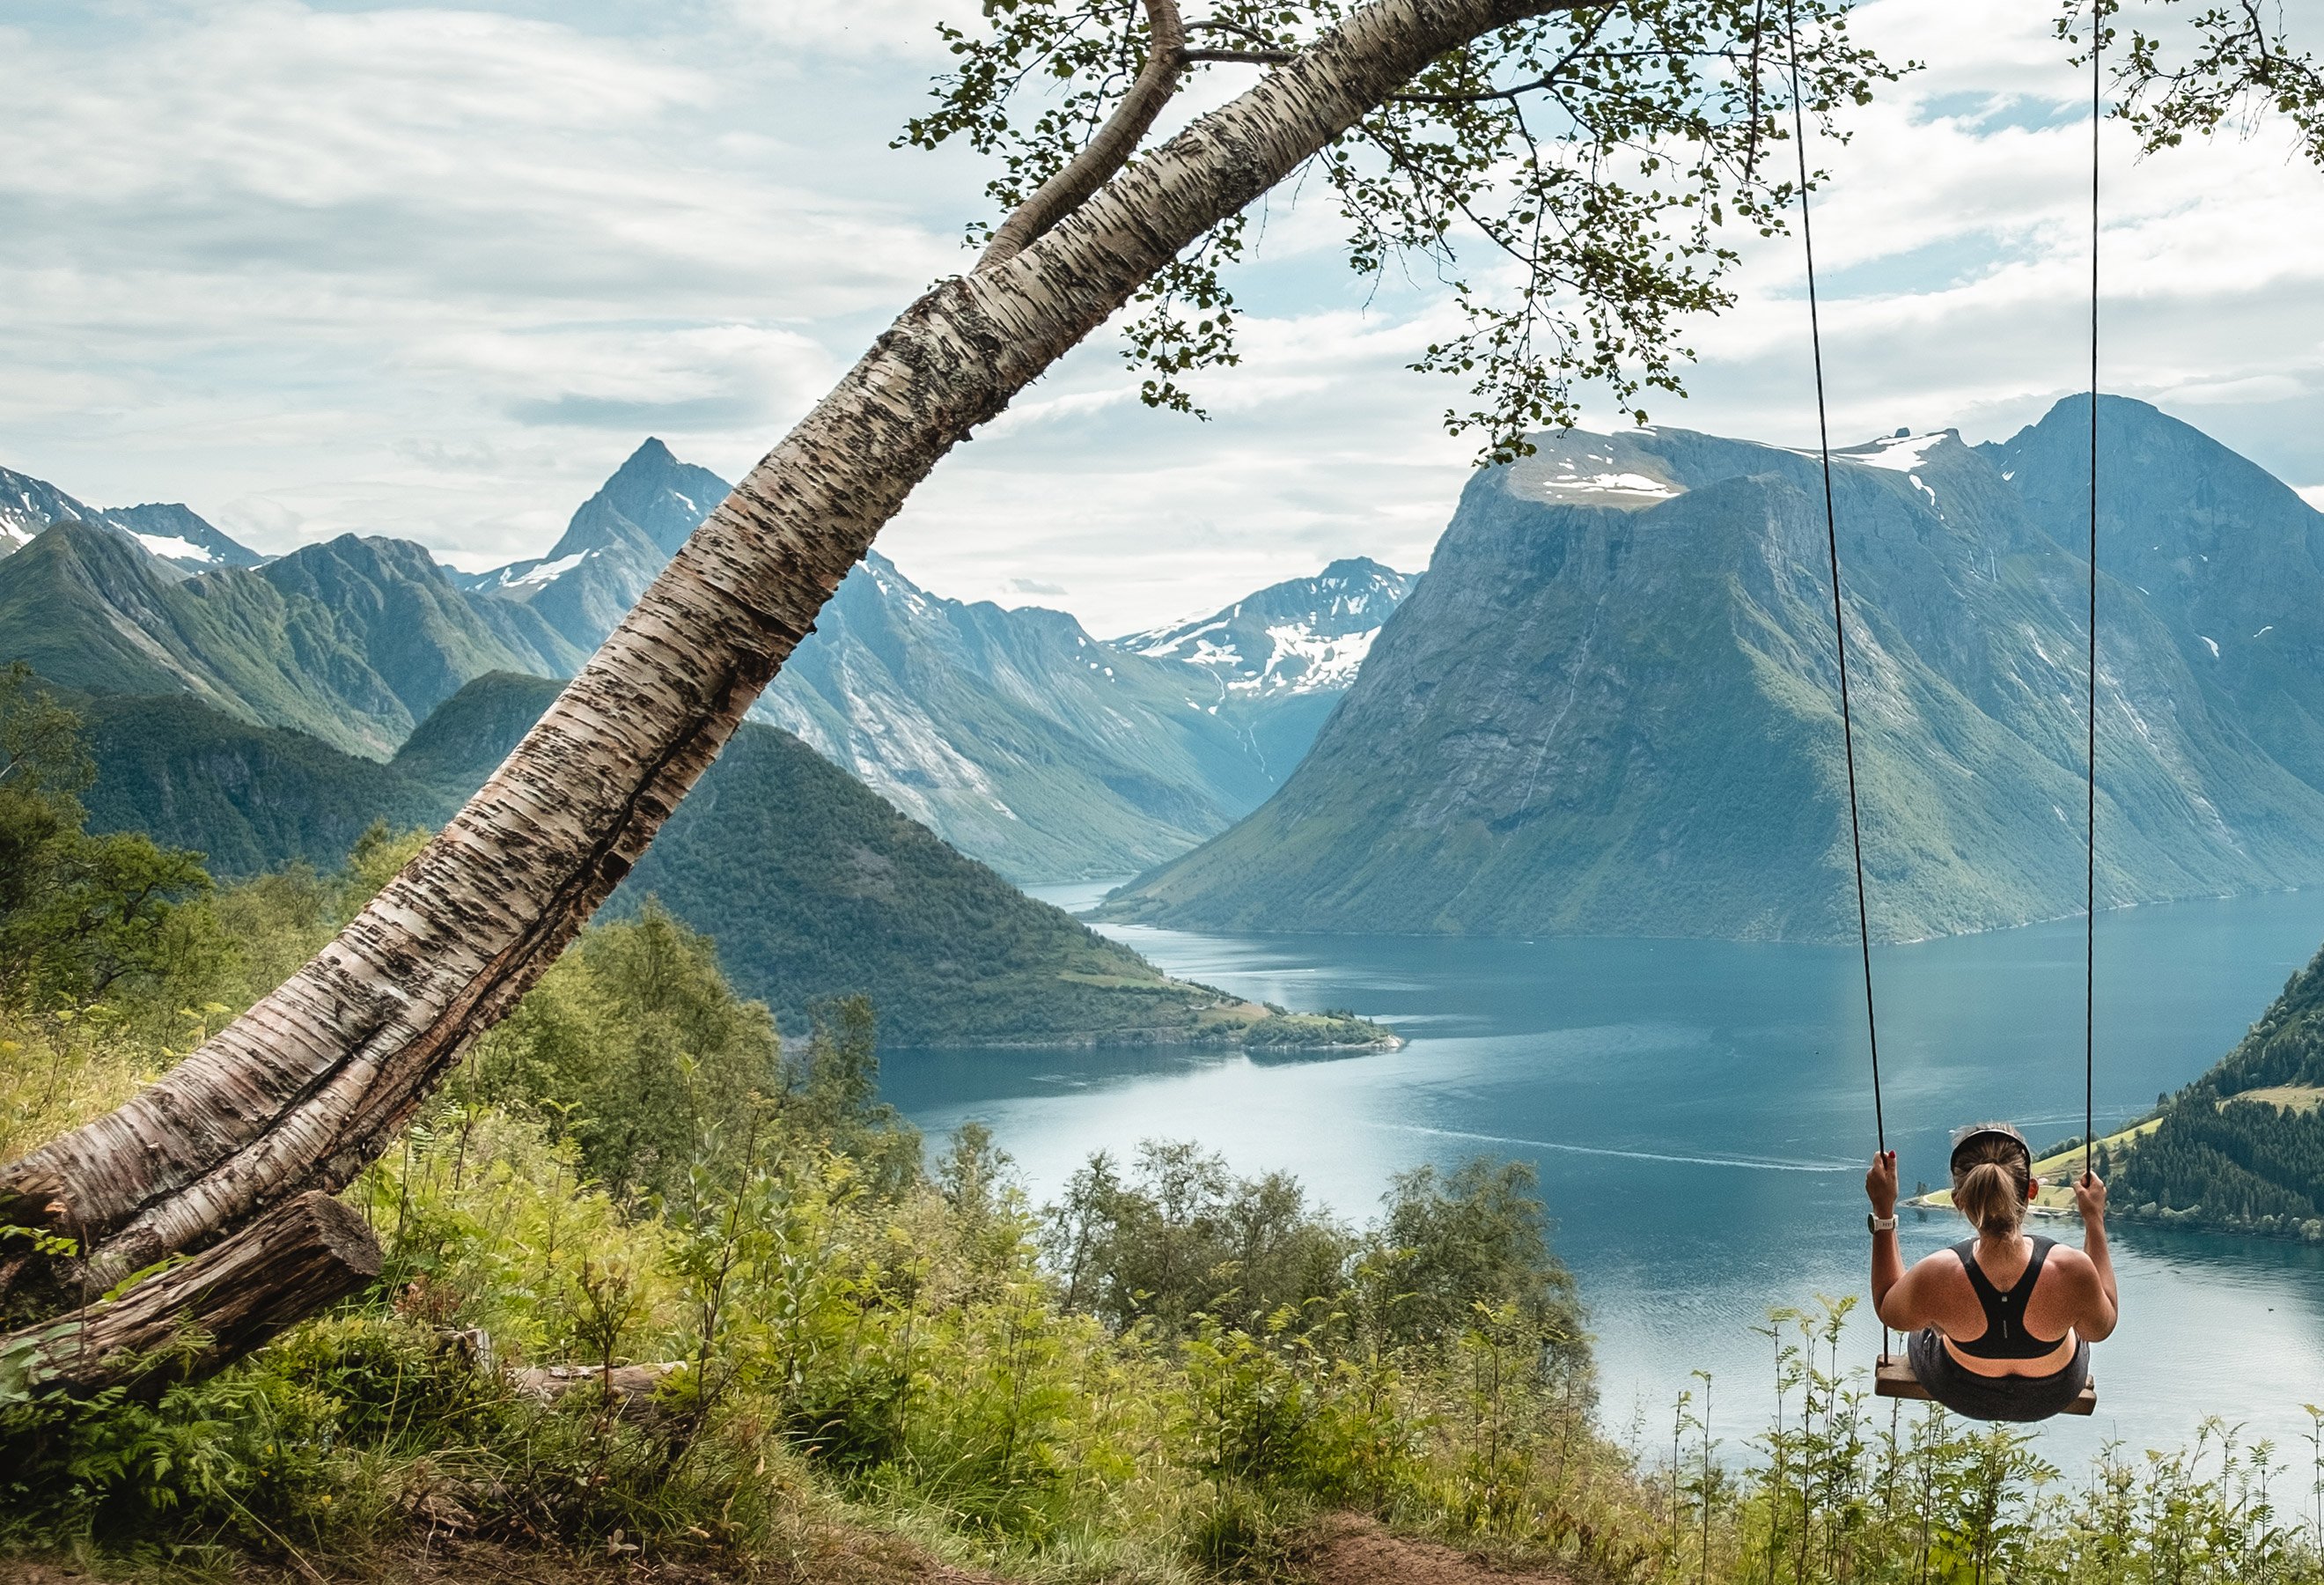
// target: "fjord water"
[[1699, 1113]]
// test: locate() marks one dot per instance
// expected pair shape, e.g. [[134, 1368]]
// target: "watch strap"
[[1879, 1224]]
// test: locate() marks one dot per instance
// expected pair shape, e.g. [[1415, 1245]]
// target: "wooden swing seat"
[[1893, 1377]]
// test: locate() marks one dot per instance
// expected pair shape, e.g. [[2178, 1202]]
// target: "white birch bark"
[[308, 1086]]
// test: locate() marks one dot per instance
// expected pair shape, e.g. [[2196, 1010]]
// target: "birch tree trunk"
[[306, 1089]]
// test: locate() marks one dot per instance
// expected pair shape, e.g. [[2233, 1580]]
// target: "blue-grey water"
[[1699, 1113]]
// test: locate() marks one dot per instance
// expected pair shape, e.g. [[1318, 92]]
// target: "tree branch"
[[1248, 57], [1477, 98], [193, 1318], [1109, 150]]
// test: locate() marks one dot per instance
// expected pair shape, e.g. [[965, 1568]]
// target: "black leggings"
[[1995, 1397]]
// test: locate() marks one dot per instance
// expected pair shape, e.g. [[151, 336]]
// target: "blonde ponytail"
[[1993, 1197]]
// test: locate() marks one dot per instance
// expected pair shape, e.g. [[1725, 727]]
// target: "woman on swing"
[[2000, 1325]]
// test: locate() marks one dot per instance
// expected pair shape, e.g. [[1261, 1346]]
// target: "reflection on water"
[[1699, 1113]]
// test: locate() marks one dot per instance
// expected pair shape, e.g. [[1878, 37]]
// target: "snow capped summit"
[[1581, 469], [1303, 635], [172, 534], [612, 546]]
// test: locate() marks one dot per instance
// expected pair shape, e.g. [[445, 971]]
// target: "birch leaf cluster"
[[1574, 179]]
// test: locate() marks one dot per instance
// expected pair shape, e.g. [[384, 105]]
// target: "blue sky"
[[433, 271]]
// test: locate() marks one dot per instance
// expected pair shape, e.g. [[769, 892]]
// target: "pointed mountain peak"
[[1359, 569], [650, 456], [665, 497]]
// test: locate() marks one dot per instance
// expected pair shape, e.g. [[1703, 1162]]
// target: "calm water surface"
[[1700, 1114]]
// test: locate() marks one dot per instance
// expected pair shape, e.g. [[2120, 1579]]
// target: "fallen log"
[[628, 1389], [191, 1318]]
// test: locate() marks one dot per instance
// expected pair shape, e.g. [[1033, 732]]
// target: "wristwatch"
[[1879, 1224]]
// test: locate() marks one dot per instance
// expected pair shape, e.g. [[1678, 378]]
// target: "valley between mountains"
[[263, 712], [1608, 708]]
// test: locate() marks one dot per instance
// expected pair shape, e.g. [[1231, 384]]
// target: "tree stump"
[[303, 1254]]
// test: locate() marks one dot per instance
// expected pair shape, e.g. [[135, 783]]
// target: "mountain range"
[[1611, 705], [352, 640], [811, 884], [171, 533], [1015, 735]]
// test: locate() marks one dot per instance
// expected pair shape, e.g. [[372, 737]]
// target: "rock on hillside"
[[1610, 707]]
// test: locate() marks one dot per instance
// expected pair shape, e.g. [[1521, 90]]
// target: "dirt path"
[[1351, 1549]]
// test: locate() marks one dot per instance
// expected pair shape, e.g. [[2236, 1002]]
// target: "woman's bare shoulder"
[[2065, 1258]]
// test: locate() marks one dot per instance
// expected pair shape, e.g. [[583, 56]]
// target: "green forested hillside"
[[352, 640], [812, 885], [815, 886], [2242, 1148], [248, 798]]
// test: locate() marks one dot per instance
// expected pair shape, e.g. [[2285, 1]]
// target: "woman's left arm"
[[2102, 1307]]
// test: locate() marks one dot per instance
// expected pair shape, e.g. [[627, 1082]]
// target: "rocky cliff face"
[[1611, 705]]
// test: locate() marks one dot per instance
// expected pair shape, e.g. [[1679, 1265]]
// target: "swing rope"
[[1839, 623], [1831, 546], [2090, 783]]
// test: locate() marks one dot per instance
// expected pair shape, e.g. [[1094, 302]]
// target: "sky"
[[433, 271]]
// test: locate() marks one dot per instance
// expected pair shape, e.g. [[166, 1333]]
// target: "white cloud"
[[434, 272], [873, 29]]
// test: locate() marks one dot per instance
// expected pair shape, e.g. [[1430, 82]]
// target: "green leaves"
[[2209, 66], [1568, 179], [80, 914]]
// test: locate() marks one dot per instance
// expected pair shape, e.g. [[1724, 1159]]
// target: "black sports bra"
[[2005, 1336]]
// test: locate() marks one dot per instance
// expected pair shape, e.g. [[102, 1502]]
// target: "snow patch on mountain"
[[1303, 635], [1899, 453], [523, 573], [173, 548], [172, 534]]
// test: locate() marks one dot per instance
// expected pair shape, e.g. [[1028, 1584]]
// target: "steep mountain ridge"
[[1013, 733], [351, 640], [1610, 706], [172, 532]]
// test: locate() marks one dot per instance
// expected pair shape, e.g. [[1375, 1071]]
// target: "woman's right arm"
[[2103, 1308], [1892, 1296]]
